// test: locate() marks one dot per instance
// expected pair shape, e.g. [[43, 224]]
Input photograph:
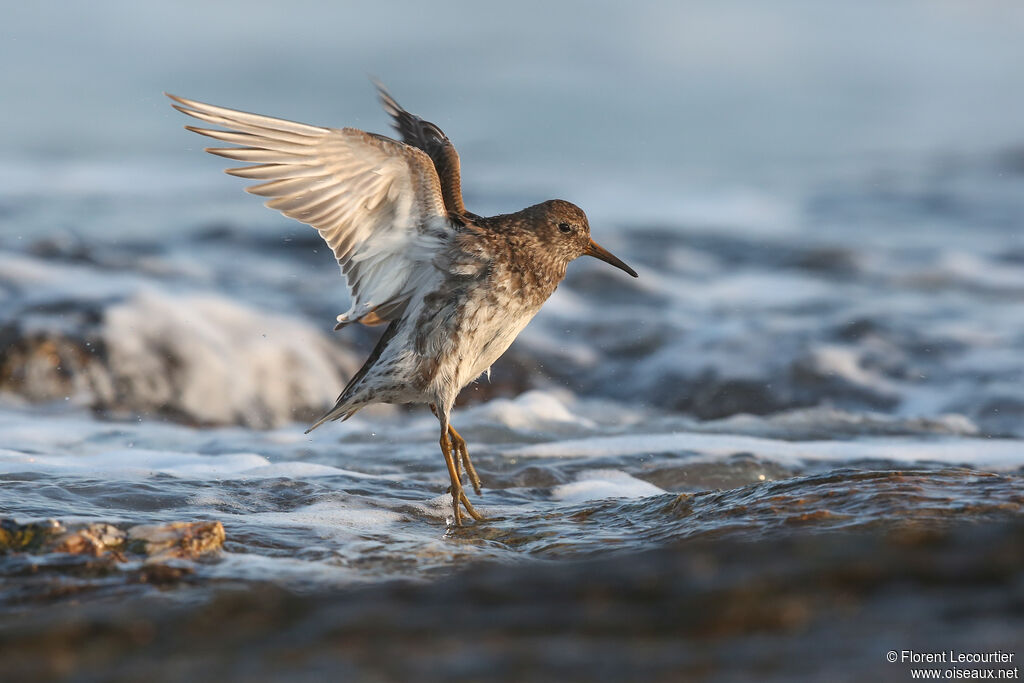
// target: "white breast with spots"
[[494, 330]]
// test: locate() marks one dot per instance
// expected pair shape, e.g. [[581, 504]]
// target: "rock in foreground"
[[150, 542]]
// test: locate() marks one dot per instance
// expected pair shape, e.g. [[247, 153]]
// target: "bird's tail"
[[348, 402], [340, 411]]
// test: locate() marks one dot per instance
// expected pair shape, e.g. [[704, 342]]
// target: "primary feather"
[[376, 202]]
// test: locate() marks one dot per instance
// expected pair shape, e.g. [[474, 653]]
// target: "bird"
[[453, 288]]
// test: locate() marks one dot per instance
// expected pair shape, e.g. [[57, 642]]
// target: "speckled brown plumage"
[[455, 288]]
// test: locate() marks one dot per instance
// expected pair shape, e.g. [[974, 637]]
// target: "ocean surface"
[[827, 331]]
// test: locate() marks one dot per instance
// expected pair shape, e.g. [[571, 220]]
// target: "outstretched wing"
[[375, 201], [432, 140]]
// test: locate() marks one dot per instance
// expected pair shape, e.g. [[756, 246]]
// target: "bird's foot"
[[452, 458], [459, 496]]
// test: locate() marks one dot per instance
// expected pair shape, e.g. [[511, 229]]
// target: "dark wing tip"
[[389, 103], [383, 93]]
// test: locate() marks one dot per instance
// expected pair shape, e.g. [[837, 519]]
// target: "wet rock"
[[15, 537], [196, 359], [152, 542], [163, 574], [93, 539], [52, 364], [178, 540], [43, 562]]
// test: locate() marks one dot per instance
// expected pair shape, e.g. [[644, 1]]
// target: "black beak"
[[597, 251]]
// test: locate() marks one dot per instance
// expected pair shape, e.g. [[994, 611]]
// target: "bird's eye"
[[565, 227]]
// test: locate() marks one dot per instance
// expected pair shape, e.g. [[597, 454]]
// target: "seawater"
[[827, 331]]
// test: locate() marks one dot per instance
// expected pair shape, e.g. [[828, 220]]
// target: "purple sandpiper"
[[454, 288]]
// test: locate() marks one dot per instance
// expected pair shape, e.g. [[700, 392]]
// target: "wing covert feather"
[[376, 202]]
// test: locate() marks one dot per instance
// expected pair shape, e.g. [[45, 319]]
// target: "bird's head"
[[563, 229]]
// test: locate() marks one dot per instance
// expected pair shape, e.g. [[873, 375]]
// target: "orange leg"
[[458, 495], [462, 452]]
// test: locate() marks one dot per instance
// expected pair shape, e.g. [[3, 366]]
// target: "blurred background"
[[839, 177], [824, 201], [658, 111]]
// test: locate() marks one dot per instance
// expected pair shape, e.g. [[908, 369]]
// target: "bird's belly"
[[494, 340], [483, 331]]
